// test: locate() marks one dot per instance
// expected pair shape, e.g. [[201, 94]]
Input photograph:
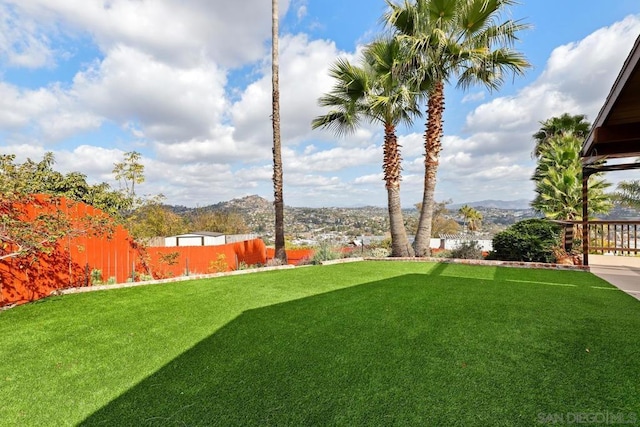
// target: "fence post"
[[187, 265]]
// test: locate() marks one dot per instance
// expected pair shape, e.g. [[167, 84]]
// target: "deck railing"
[[615, 237], [605, 237]]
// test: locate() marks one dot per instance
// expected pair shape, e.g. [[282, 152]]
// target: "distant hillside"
[[258, 213], [243, 204], [495, 204], [307, 223]]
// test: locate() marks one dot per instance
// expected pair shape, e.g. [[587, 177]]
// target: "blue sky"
[[187, 84]]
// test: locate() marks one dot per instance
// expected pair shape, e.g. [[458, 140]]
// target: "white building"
[[199, 238], [454, 241]]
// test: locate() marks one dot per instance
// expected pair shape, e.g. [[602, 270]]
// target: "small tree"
[[442, 222], [32, 225], [128, 173], [29, 224], [23, 234], [39, 177]]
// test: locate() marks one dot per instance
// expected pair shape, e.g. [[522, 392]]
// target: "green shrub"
[[96, 277], [244, 266], [467, 250], [531, 240], [441, 254], [274, 262], [325, 252], [378, 252]]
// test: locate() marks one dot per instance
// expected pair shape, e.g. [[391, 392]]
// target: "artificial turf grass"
[[65, 357], [452, 344], [364, 356]]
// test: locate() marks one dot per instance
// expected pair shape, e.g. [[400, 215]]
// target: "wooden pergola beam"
[[617, 133], [590, 170]]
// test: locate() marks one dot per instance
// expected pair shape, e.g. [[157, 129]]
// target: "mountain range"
[[260, 203], [495, 204]]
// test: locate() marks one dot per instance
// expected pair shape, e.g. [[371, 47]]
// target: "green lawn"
[[369, 343]]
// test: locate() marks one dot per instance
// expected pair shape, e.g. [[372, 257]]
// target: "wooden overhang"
[[615, 134], [616, 130]]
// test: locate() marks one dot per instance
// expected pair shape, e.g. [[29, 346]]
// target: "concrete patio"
[[622, 272]]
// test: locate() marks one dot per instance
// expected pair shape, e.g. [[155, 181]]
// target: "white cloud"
[[301, 9], [303, 79], [169, 103], [165, 73], [376, 178], [95, 162], [24, 151], [176, 31], [22, 42], [473, 97], [47, 114], [332, 160], [576, 79]]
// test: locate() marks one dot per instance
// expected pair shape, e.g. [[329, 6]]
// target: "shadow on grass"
[[412, 350]]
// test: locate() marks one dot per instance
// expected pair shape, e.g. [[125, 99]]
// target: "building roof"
[[200, 233], [616, 130]]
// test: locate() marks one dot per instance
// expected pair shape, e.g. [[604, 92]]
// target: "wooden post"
[[568, 237], [585, 217]]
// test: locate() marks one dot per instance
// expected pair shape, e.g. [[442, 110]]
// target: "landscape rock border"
[[515, 264]]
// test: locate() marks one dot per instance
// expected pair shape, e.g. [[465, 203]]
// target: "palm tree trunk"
[[399, 243], [280, 252], [435, 110]]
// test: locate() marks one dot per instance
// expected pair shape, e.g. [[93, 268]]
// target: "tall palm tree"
[[471, 217], [452, 39], [372, 91], [576, 124], [278, 202], [475, 220], [558, 179], [628, 193]]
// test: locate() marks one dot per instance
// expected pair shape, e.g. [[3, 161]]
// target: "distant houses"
[[454, 241], [199, 238]]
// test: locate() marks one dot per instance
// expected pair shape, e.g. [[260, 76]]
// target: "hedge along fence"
[[164, 262], [72, 259]]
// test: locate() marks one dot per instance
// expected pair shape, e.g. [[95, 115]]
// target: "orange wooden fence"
[[294, 256], [73, 258], [116, 256], [185, 260]]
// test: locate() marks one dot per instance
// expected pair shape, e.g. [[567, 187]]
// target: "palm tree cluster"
[[558, 175], [472, 218], [428, 44]]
